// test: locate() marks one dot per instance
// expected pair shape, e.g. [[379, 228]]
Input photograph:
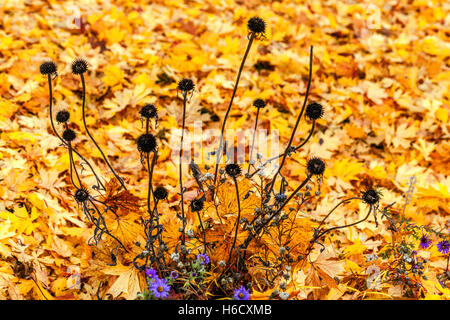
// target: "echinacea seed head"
[[370, 196], [81, 195], [79, 66], [48, 67], [146, 143], [315, 166], [256, 25], [259, 103], [69, 135], [148, 111], [233, 170], [161, 193], [314, 111], [186, 85], [197, 205], [62, 116]]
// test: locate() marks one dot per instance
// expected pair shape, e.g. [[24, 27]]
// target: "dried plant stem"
[[92, 138], [237, 221], [62, 140], [253, 141], [203, 231], [183, 234], [286, 152], [219, 151]]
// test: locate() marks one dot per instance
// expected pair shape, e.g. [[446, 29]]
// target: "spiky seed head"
[[161, 193], [256, 25], [146, 143], [62, 116], [81, 195], [314, 111], [186, 85], [48, 67], [69, 135], [315, 166], [259, 103], [148, 111], [197, 205], [233, 170], [370, 196], [79, 66]]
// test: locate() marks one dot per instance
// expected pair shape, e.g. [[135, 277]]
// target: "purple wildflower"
[[425, 241], [174, 274], [443, 246], [160, 288], [203, 257], [151, 273], [241, 294]]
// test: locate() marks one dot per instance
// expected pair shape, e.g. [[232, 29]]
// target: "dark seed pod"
[[315, 166], [79, 66], [233, 170], [48, 67], [259, 103], [161, 193], [197, 205], [81, 195], [256, 25], [146, 143], [62, 116], [280, 197], [148, 111], [314, 111], [370, 196], [186, 85], [69, 135]]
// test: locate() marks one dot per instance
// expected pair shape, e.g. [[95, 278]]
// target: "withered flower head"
[[256, 25], [197, 205], [148, 111], [186, 85], [81, 195], [233, 170], [62, 116], [370, 196], [69, 135], [161, 193], [314, 111], [315, 166], [48, 67], [146, 143], [259, 103], [79, 66]]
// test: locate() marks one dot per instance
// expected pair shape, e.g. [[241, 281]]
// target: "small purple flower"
[[203, 257], [425, 241], [174, 274], [241, 294], [151, 273], [160, 288], [443, 246]]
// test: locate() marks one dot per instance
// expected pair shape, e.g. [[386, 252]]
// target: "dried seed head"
[[256, 25], [197, 205], [315, 166], [148, 111], [62, 116], [259, 103], [233, 170], [314, 111], [79, 66], [186, 85], [69, 135], [370, 196], [81, 195], [146, 143], [48, 67], [161, 193]]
